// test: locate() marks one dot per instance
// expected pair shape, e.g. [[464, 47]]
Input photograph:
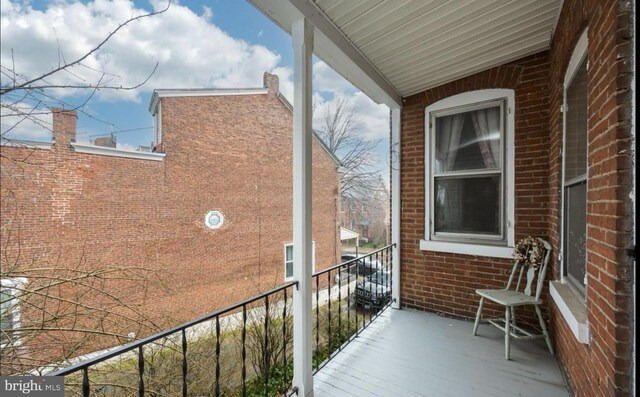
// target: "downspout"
[[395, 205], [633, 195]]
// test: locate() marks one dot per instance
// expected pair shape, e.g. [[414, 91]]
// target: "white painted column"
[[395, 204], [302, 37]]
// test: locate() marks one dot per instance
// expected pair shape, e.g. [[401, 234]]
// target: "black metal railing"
[[166, 363], [244, 349], [348, 297]]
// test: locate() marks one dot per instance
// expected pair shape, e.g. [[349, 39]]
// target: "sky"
[[196, 44]]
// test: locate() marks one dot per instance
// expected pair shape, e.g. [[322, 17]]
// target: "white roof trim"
[[192, 92], [347, 234], [26, 144], [107, 151], [333, 47]]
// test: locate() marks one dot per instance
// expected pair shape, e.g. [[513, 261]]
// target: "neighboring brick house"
[[369, 217], [226, 153], [571, 103]]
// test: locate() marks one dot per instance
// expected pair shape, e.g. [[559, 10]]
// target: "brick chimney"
[[271, 82], [64, 126]]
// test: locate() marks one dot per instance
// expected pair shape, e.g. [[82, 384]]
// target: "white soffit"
[[419, 44]]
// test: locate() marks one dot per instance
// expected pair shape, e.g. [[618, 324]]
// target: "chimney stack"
[[64, 126], [271, 82]]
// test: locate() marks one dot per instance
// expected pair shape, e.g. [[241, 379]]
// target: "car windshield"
[[379, 277]]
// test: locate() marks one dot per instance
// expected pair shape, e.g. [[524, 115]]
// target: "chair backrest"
[[519, 269]]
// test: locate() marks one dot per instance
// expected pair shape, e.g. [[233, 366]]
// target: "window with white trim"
[[288, 260], [469, 173], [574, 175], [10, 308]]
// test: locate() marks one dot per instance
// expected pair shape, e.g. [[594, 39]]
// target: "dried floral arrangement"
[[529, 252]]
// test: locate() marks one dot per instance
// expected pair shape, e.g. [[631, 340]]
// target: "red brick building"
[[226, 153], [369, 217]]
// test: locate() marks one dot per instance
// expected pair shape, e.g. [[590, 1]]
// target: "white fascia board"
[[165, 93], [26, 144], [107, 151], [333, 47]]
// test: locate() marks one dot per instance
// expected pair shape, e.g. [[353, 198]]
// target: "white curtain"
[[448, 141], [486, 122]]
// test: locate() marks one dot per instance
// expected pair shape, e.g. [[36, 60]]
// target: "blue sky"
[[214, 44]]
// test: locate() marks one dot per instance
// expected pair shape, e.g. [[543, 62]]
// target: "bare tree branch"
[[29, 83]]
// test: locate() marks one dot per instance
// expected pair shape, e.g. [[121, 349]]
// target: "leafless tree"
[[29, 99], [55, 310], [340, 129], [64, 308]]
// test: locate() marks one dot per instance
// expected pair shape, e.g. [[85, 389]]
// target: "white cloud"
[[372, 119], [285, 75], [126, 146], [190, 50], [15, 125], [325, 79], [207, 13]]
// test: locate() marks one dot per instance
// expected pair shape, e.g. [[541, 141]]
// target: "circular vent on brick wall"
[[214, 219]]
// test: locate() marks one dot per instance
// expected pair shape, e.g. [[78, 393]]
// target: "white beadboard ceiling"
[[395, 48], [420, 44]]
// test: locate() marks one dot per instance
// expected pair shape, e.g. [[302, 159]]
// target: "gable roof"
[[191, 92]]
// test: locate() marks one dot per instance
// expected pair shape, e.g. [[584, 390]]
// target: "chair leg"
[[513, 316], [478, 316], [544, 329], [507, 333]]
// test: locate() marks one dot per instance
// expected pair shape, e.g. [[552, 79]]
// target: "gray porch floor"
[[411, 353]]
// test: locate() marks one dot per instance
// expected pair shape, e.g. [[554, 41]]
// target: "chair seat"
[[508, 297]]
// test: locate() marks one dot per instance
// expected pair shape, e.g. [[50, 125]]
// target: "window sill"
[[573, 310], [467, 249]]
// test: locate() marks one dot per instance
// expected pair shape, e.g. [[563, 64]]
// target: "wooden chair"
[[511, 297]]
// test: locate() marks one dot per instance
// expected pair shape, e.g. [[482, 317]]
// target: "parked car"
[[375, 291], [362, 267]]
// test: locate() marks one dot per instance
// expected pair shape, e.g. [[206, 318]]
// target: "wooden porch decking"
[[412, 353]]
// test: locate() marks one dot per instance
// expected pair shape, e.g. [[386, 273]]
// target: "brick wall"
[[445, 283], [226, 153], [602, 366]]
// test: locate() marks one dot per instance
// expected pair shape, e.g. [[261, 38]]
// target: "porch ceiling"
[[414, 45]]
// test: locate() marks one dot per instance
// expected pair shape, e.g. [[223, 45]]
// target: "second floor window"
[[467, 172]]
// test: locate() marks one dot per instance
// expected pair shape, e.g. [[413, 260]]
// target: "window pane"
[[575, 233], [468, 205], [289, 269], [468, 140], [576, 128], [289, 253]]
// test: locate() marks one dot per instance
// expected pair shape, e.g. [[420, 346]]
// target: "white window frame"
[[571, 304], [12, 284], [157, 124], [313, 259], [579, 54], [475, 245]]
